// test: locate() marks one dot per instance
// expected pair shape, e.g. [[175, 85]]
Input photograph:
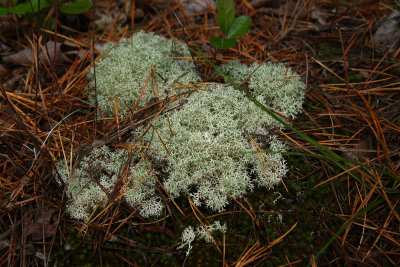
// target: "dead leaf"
[[104, 22], [23, 57], [388, 32], [10, 83], [3, 71], [42, 226], [360, 151], [29, 249], [53, 52], [139, 13], [262, 3], [197, 6], [320, 15]]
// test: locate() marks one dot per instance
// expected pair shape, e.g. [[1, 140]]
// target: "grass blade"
[[344, 228]]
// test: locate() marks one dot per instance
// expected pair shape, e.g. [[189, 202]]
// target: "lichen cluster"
[[189, 234], [93, 180], [274, 85], [126, 67], [209, 153], [205, 146]]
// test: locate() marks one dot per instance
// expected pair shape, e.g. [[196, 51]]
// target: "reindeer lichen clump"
[[126, 69], [210, 148]]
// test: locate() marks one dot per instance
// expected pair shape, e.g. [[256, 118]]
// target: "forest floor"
[[346, 52]]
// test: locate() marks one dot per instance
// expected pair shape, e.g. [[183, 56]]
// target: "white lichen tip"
[[189, 234], [206, 234]]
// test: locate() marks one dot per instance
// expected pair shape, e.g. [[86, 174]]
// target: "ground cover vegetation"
[[90, 176]]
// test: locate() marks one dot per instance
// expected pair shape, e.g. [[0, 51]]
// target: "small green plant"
[[232, 28], [33, 6]]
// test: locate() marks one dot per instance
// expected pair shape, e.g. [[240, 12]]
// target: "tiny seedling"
[[231, 27]]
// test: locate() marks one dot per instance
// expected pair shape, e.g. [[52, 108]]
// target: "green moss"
[[330, 51], [356, 78]]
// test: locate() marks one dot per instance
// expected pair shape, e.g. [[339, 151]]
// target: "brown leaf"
[[41, 225], [23, 57], [388, 33], [3, 71], [322, 16], [364, 148], [197, 6], [52, 52], [360, 151], [262, 3]]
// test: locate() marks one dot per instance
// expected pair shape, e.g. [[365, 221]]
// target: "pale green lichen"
[[189, 234], [105, 167], [205, 232], [126, 67], [209, 154], [274, 85]]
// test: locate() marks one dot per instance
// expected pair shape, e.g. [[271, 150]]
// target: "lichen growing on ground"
[[208, 152], [210, 148], [274, 85], [127, 65], [92, 181], [189, 234]]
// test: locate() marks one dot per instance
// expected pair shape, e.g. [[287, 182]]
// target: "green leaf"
[[222, 43], [225, 14], [76, 7], [240, 26], [25, 8], [18, 9], [3, 11]]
